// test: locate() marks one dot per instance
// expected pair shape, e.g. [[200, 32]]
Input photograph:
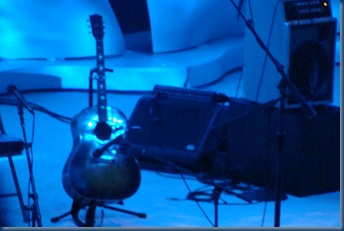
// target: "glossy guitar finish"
[[110, 175]]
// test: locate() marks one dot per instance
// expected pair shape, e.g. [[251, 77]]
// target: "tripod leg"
[[19, 193], [56, 219], [90, 215], [140, 215], [216, 196], [216, 212], [76, 206]]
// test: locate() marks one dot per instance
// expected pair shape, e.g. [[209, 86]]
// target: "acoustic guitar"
[[98, 169]]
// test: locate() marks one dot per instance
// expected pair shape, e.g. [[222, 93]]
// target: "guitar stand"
[[213, 197], [90, 84], [90, 214]]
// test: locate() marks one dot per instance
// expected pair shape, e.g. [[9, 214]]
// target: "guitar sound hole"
[[103, 131]]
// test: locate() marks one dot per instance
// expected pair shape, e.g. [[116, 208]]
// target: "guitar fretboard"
[[101, 90]]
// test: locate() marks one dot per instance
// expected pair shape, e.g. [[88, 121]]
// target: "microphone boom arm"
[[13, 90]]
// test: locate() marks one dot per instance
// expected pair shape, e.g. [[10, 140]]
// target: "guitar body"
[[111, 177]]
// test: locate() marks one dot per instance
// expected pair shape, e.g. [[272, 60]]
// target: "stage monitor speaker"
[[182, 130], [301, 36], [311, 150], [178, 130]]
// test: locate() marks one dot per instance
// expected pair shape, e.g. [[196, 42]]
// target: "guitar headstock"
[[97, 26]]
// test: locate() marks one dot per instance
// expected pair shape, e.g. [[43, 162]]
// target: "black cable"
[[30, 163], [62, 118], [52, 114], [28, 203], [223, 76], [120, 92], [264, 213], [239, 85], [229, 72], [182, 170], [173, 176], [38, 108], [268, 46], [251, 13], [197, 202], [147, 142]]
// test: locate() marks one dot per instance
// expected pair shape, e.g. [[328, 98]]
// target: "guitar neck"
[[101, 90]]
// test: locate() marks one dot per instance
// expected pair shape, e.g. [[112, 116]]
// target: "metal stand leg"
[[78, 204], [19, 193], [140, 215], [216, 196], [34, 209]]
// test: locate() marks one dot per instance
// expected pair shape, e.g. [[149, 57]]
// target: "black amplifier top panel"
[[306, 9]]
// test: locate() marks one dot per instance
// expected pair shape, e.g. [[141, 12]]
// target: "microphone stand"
[[34, 209], [218, 188], [283, 86]]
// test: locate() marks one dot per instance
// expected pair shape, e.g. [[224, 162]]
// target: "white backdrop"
[[55, 29], [179, 24]]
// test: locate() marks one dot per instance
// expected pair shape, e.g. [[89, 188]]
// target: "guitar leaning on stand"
[[98, 171]]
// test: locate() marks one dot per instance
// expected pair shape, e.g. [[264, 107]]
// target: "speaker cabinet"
[[311, 150], [178, 129], [301, 36]]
